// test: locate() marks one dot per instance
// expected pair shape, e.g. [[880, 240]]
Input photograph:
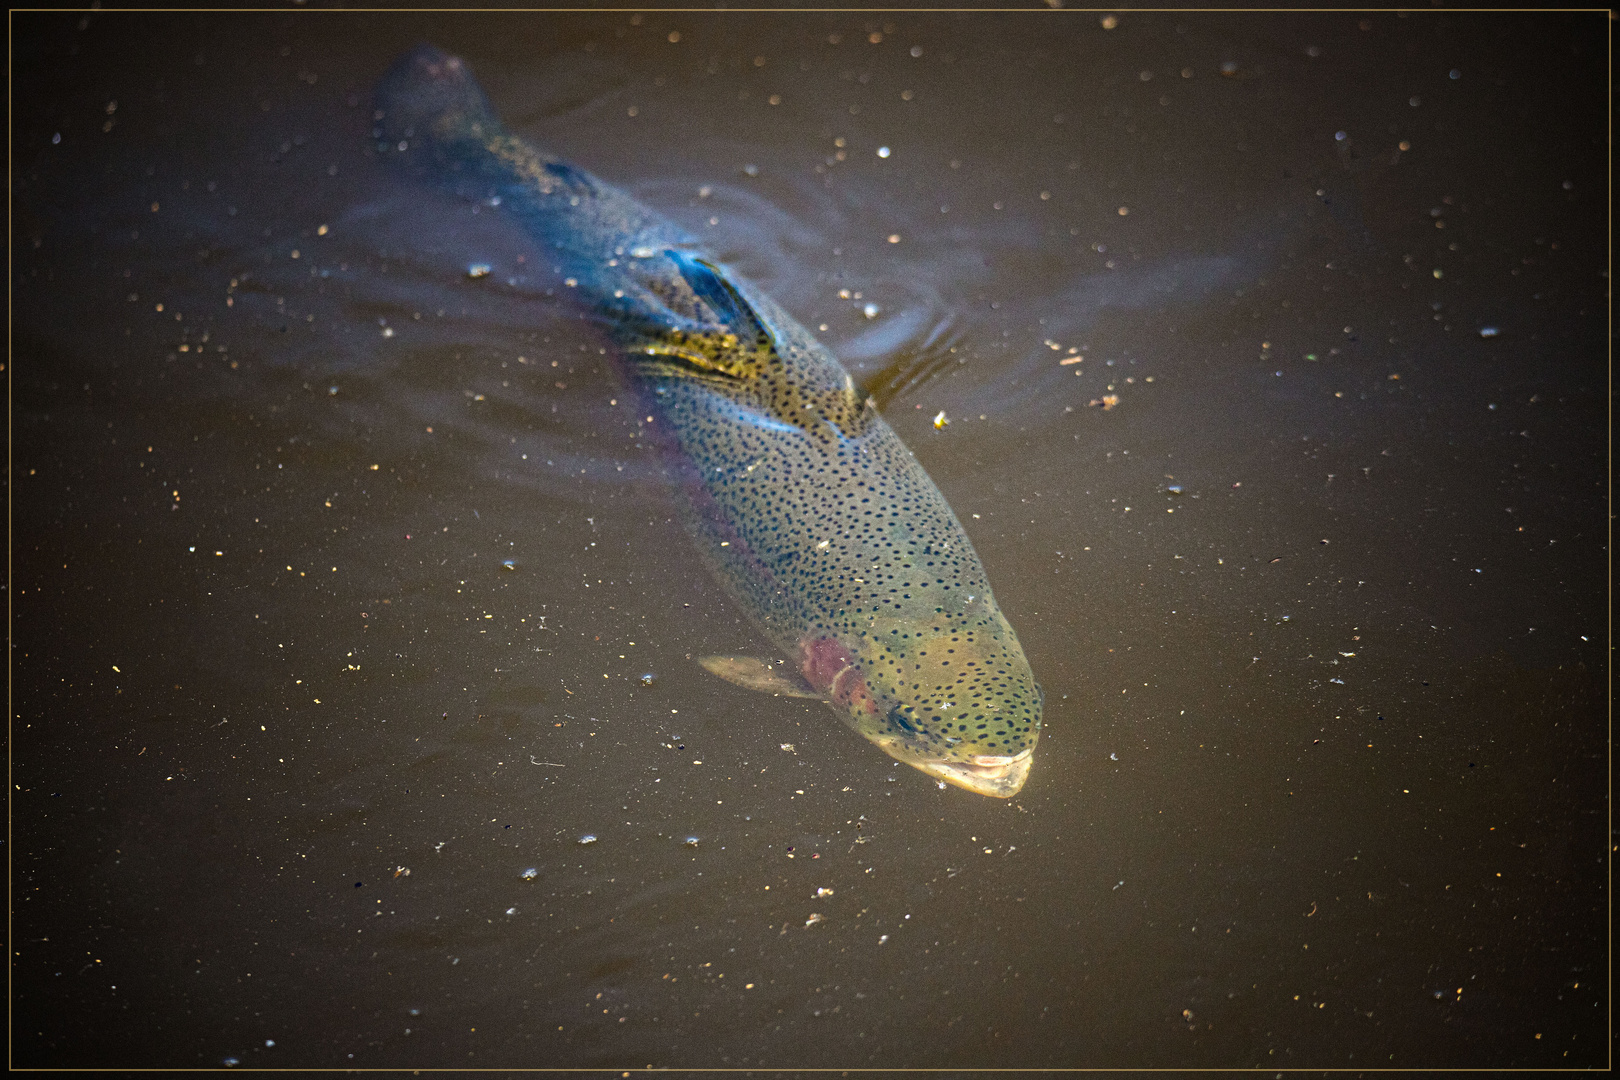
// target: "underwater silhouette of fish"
[[818, 520]]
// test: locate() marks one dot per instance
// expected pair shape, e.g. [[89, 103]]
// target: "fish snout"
[[997, 775]]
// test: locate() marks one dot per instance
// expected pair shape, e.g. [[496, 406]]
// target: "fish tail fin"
[[429, 95]]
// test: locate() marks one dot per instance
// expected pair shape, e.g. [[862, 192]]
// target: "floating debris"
[[588, 838], [940, 420], [530, 874], [1107, 401], [690, 841], [823, 891], [1489, 331], [478, 270], [508, 564], [812, 920]]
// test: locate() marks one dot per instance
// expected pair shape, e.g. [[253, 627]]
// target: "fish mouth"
[[984, 774]]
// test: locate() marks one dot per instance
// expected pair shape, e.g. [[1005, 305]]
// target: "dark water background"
[[302, 769]]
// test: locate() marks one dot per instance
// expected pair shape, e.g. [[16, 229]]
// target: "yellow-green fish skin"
[[803, 502]]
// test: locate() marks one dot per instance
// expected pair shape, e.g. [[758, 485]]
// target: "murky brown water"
[[337, 577]]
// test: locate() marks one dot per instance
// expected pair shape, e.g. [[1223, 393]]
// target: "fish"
[[800, 499]]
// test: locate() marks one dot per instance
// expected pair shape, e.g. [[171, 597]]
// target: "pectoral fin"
[[752, 673]]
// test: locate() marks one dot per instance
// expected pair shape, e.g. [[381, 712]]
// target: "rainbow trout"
[[804, 503]]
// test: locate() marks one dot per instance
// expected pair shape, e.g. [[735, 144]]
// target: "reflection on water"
[[338, 572]]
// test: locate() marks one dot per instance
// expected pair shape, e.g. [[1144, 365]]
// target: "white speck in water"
[[478, 270], [588, 838], [1489, 331], [690, 841], [530, 874], [509, 564], [871, 311], [883, 151], [511, 911], [1113, 757]]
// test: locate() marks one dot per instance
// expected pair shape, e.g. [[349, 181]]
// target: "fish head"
[[954, 697]]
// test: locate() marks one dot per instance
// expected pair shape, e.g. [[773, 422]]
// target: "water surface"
[[354, 715]]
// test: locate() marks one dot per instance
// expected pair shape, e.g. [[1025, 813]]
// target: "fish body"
[[804, 503]]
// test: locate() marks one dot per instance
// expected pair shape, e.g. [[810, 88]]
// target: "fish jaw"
[[995, 776]]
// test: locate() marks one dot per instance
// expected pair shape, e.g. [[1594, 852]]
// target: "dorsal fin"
[[738, 345], [722, 298], [734, 345]]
